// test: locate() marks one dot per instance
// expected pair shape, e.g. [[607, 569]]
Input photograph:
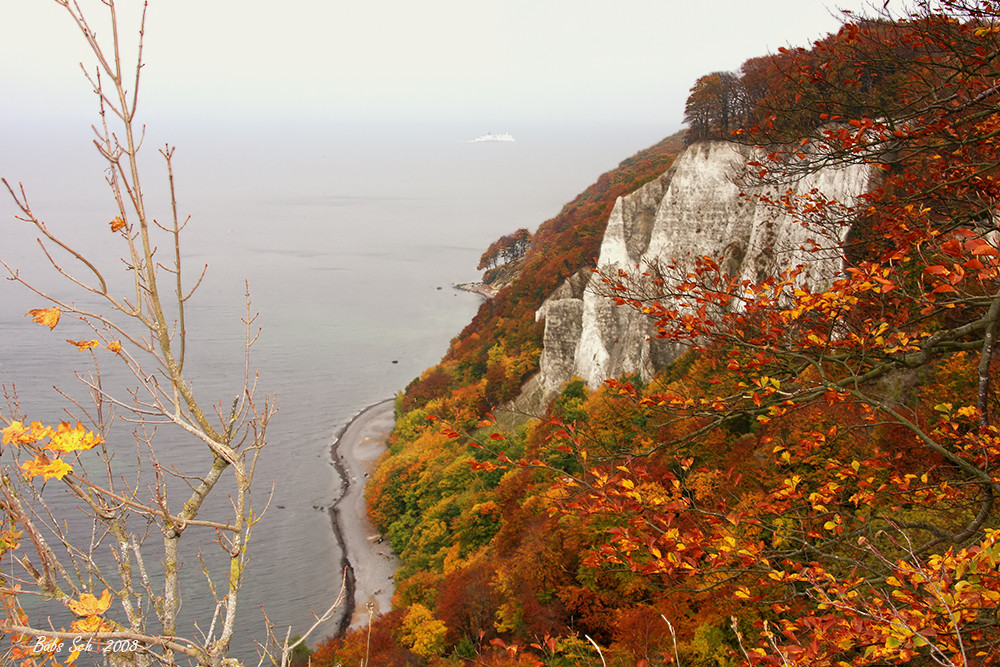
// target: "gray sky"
[[492, 61]]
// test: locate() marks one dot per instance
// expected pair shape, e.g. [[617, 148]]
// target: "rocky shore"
[[369, 562], [482, 289]]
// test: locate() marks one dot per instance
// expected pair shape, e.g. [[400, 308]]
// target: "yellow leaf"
[[39, 431], [15, 433], [48, 317], [115, 346], [117, 224], [19, 434], [89, 605], [41, 465], [73, 439], [83, 345]]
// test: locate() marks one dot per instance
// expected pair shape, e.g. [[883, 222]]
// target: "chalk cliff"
[[694, 209]]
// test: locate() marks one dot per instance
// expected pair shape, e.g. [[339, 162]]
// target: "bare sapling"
[[95, 513]]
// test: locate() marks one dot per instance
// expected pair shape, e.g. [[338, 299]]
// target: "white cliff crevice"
[[697, 208]]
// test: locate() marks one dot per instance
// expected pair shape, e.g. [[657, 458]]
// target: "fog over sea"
[[351, 238]]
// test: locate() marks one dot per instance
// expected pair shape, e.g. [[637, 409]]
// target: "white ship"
[[489, 136]]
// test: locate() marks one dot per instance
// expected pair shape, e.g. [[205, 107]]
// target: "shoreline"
[[367, 561], [482, 289]]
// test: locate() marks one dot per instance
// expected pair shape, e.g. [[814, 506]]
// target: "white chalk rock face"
[[697, 208]]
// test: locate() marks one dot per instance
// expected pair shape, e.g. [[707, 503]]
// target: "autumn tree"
[[93, 527], [506, 249], [521, 241], [716, 106]]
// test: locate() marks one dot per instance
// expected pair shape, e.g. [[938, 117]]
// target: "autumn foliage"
[[814, 481]]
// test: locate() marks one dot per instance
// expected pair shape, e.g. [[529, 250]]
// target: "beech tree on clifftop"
[[717, 105]]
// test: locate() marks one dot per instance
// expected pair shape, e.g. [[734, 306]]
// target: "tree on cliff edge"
[[716, 106], [506, 249]]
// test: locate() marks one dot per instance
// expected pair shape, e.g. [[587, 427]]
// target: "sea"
[[350, 237]]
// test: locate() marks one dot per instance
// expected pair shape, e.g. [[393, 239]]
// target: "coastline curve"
[[366, 559]]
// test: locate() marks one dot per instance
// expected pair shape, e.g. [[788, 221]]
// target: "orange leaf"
[[951, 247], [91, 624], [41, 465], [83, 345], [983, 248], [48, 317], [115, 347], [89, 605], [117, 224]]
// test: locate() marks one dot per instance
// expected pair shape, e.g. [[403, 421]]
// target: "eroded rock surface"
[[697, 208]]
